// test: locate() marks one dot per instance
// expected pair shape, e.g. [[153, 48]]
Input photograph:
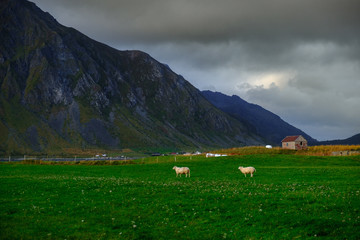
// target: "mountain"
[[61, 89], [265, 123], [354, 140]]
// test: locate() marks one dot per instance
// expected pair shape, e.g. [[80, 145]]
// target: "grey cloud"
[[211, 20]]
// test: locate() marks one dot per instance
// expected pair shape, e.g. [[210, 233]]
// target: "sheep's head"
[[174, 167], [240, 167]]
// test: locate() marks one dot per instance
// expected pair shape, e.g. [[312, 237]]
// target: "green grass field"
[[290, 197]]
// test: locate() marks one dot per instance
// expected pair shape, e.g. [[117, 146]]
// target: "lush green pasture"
[[290, 197]]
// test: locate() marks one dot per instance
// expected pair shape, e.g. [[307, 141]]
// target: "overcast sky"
[[299, 59]]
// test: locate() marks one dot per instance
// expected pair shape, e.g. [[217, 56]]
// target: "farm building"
[[294, 142]]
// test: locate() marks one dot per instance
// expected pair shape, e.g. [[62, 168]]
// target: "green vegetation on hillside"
[[290, 197]]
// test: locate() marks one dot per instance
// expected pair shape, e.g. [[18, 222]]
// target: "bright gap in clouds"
[[269, 80]]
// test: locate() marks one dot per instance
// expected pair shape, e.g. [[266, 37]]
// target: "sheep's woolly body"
[[247, 170], [182, 170]]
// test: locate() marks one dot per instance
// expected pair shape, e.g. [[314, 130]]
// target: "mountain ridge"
[[353, 140], [267, 124], [60, 88]]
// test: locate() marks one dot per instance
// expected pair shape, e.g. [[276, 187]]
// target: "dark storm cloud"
[[211, 20], [297, 58]]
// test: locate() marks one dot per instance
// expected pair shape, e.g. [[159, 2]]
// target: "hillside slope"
[[60, 89], [354, 140], [265, 123]]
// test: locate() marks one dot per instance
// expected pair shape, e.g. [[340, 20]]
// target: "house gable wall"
[[299, 144], [288, 145]]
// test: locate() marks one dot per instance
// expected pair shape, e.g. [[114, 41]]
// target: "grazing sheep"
[[247, 170], [182, 170]]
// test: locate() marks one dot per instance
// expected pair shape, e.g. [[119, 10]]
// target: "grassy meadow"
[[289, 197]]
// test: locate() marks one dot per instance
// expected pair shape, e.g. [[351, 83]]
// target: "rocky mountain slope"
[[265, 123], [61, 89]]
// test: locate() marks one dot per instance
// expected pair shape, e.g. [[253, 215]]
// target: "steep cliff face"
[[60, 88]]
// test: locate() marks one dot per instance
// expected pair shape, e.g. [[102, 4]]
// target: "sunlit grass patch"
[[321, 150]]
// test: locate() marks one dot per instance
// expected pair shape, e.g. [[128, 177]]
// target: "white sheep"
[[182, 170], [247, 170]]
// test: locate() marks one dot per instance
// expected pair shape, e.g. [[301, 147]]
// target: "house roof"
[[290, 138]]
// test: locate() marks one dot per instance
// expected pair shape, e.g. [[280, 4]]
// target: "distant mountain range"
[[354, 140], [61, 89], [265, 123]]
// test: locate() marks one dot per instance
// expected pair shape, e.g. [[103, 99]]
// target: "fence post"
[[9, 158]]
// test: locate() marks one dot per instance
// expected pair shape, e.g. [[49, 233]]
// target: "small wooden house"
[[297, 142]]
